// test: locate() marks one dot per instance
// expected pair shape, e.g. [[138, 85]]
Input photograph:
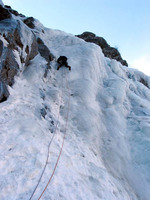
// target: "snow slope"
[[107, 143]]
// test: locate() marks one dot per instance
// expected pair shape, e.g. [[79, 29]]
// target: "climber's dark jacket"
[[62, 60]]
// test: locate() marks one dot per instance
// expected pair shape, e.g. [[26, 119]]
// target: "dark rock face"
[[8, 68], [17, 38], [4, 13], [144, 82], [29, 22], [8, 7], [12, 36], [14, 12], [1, 47], [44, 51], [108, 51], [3, 92], [18, 45], [3, 86], [33, 52], [34, 49], [12, 31]]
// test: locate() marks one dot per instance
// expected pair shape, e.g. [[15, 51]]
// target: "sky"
[[125, 24]]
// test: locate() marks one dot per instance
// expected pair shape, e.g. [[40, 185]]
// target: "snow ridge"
[[106, 150]]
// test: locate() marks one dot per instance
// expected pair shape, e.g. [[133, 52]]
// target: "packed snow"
[[107, 143]]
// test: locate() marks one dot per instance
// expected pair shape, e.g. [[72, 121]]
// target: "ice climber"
[[62, 60]]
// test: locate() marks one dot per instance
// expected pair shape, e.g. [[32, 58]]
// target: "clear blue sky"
[[123, 23]]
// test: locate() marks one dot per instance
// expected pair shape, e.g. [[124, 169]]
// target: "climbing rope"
[[65, 131], [58, 115]]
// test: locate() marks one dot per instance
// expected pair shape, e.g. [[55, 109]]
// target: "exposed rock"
[[6, 6], [13, 32], [17, 38], [13, 36], [3, 92], [44, 51], [33, 52], [4, 13], [99, 41], [144, 82], [29, 22], [8, 68], [27, 49], [14, 12], [8, 65], [91, 37], [21, 15], [87, 35], [108, 51], [34, 49], [1, 47]]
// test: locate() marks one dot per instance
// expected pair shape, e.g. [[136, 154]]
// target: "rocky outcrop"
[[4, 13], [14, 12], [18, 46], [1, 47], [4, 94], [9, 67], [108, 51], [29, 21], [14, 38], [144, 82], [34, 51], [44, 51]]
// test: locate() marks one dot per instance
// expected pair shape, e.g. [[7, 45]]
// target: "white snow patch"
[[17, 57]]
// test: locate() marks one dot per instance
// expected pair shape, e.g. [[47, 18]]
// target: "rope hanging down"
[[60, 101], [49, 145], [65, 131]]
